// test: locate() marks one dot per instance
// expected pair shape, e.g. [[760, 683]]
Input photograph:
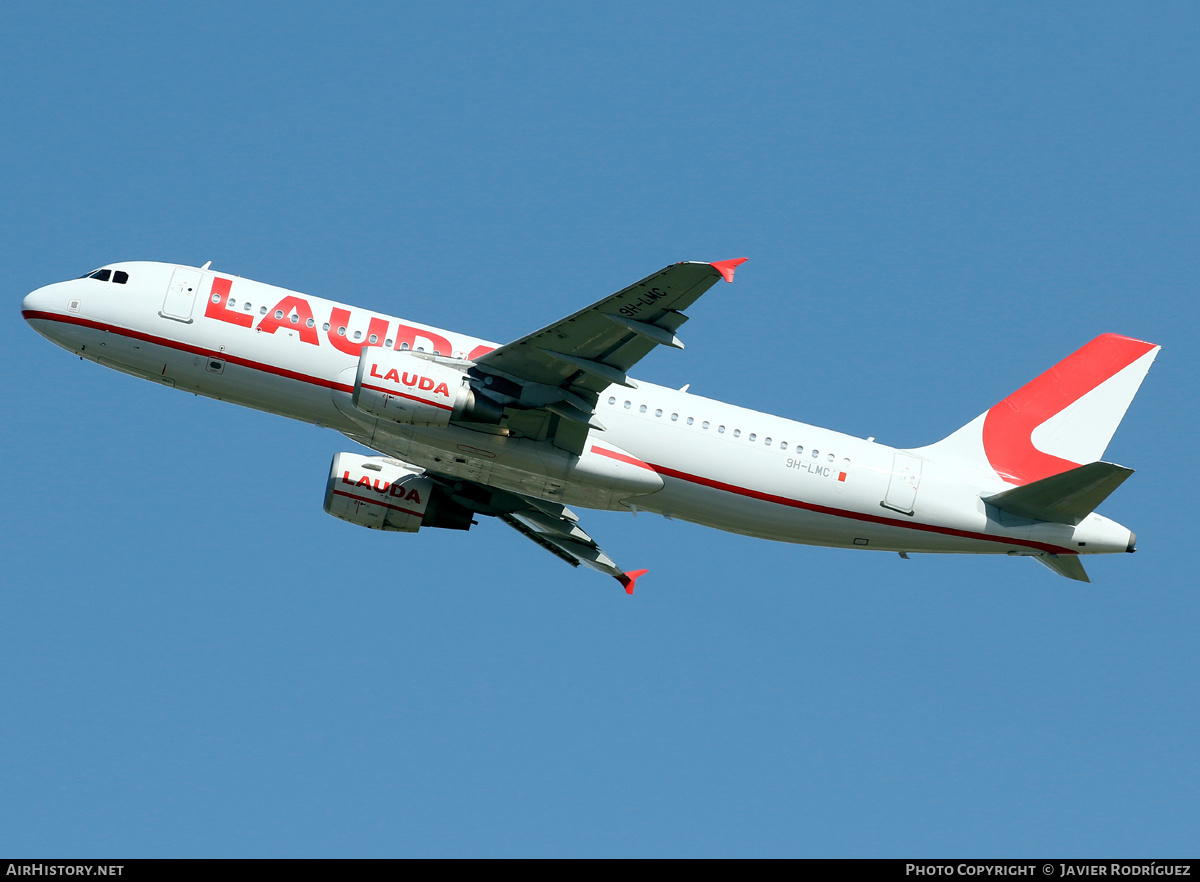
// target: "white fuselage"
[[662, 450]]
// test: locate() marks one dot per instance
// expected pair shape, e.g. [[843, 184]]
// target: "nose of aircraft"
[[35, 301], [40, 307]]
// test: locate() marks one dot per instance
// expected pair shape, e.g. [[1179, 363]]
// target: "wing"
[[559, 371], [552, 526], [565, 539]]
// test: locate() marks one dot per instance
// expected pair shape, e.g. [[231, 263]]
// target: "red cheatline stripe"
[[662, 470], [621, 457], [409, 397], [821, 509], [28, 314], [377, 502], [853, 515]]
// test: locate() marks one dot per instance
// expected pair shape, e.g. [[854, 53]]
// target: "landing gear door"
[[902, 488], [181, 294]]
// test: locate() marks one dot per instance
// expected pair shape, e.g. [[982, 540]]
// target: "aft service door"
[[902, 488], [181, 294]]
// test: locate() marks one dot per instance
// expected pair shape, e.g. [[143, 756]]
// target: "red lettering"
[[385, 486], [376, 374], [481, 349], [218, 305], [393, 376], [340, 318], [442, 389], [425, 384], [413, 496], [397, 491], [364, 481], [407, 337], [413, 381], [270, 324], [346, 478]]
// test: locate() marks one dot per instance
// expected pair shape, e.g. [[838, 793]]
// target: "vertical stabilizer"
[[1059, 421]]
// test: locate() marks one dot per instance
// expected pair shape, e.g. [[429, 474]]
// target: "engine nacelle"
[[405, 388], [383, 494]]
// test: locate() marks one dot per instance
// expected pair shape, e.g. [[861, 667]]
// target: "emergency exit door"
[[181, 294], [901, 493]]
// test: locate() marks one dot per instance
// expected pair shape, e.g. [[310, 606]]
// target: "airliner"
[[463, 428]]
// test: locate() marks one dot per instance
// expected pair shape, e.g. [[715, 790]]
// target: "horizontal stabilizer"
[[1065, 565], [1065, 498]]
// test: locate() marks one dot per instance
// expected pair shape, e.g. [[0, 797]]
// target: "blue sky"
[[938, 201]]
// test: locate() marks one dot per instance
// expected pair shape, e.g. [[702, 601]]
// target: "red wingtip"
[[726, 267], [630, 579]]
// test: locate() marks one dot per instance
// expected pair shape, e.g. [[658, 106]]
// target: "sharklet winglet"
[[628, 580], [726, 267]]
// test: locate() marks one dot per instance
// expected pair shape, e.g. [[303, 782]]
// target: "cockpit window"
[[120, 277]]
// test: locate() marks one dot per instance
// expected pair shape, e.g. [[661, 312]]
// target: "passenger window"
[[704, 425], [246, 306], [674, 417], [358, 335], [309, 323], [387, 342], [658, 412], [752, 436], [737, 433], [627, 403], [690, 421], [799, 449], [325, 327], [373, 339], [783, 445], [767, 441], [120, 277], [830, 457], [816, 454], [403, 346], [342, 331], [612, 399], [262, 310], [721, 429]]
